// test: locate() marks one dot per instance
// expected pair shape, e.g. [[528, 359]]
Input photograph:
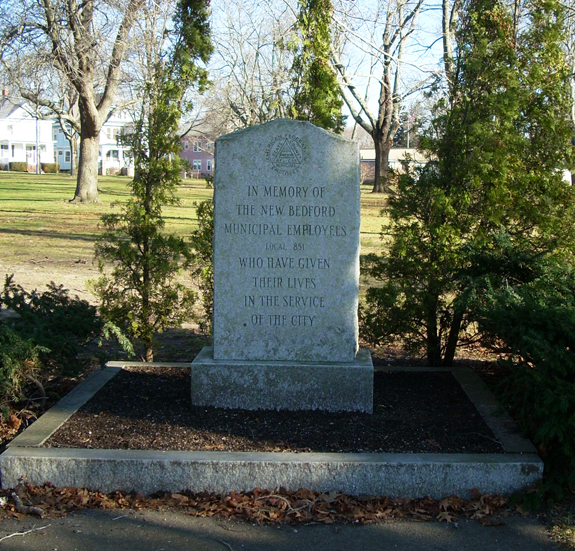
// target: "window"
[[209, 146], [4, 148], [197, 164], [186, 145], [109, 133], [115, 132], [197, 145], [55, 135], [60, 153], [209, 165], [10, 129], [112, 154], [67, 158]]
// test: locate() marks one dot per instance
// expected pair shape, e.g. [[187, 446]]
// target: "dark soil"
[[149, 408]]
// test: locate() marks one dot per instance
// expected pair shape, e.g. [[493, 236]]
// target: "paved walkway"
[[99, 530]]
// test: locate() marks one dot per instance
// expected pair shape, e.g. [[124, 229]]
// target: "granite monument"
[[286, 274]]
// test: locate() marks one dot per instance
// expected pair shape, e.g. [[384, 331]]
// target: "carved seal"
[[286, 154]]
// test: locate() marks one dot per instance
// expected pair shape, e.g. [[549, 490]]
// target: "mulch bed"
[[149, 408]]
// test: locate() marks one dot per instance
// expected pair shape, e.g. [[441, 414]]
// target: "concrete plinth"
[[283, 385]]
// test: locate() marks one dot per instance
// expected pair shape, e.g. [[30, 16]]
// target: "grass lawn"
[[44, 237]]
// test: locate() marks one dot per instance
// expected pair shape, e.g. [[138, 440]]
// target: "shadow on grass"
[[124, 193], [49, 234]]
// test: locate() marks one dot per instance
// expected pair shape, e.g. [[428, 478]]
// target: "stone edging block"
[[394, 475]]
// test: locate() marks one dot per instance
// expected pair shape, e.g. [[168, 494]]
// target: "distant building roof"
[[395, 155], [7, 108]]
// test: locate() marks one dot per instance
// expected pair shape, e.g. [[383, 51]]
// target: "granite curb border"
[[394, 475]]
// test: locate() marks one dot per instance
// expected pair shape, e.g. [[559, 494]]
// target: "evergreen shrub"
[[60, 325], [535, 323], [19, 363], [19, 167], [202, 265], [50, 168]]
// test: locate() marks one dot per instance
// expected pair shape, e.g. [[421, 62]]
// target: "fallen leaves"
[[260, 506], [9, 427], [446, 516], [14, 422]]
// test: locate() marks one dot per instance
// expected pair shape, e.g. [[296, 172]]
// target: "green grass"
[[372, 205], [36, 216]]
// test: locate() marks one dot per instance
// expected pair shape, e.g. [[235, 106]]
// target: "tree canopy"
[[491, 203], [317, 96]]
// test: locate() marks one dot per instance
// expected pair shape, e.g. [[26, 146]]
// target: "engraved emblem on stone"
[[286, 153]]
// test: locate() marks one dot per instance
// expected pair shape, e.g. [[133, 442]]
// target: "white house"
[[21, 133], [112, 158]]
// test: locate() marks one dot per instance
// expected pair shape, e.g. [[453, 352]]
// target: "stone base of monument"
[[242, 384]]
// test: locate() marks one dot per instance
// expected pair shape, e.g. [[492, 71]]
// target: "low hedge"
[[19, 167], [50, 168]]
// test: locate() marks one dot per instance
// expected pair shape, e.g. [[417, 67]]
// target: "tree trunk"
[[74, 156], [87, 183], [453, 338], [147, 321], [382, 148], [448, 45], [149, 353], [433, 347]]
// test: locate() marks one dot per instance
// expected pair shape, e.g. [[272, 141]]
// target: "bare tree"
[[372, 49], [61, 105], [450, 14], [150, 46], [150, 38], [86, 41], [251, 63]]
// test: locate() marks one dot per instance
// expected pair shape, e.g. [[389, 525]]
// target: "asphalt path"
[[118, 530]]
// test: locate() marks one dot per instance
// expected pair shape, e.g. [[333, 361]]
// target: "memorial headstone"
[[286, 274]]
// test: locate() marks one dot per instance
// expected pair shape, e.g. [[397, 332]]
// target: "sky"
[[422, 54]]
